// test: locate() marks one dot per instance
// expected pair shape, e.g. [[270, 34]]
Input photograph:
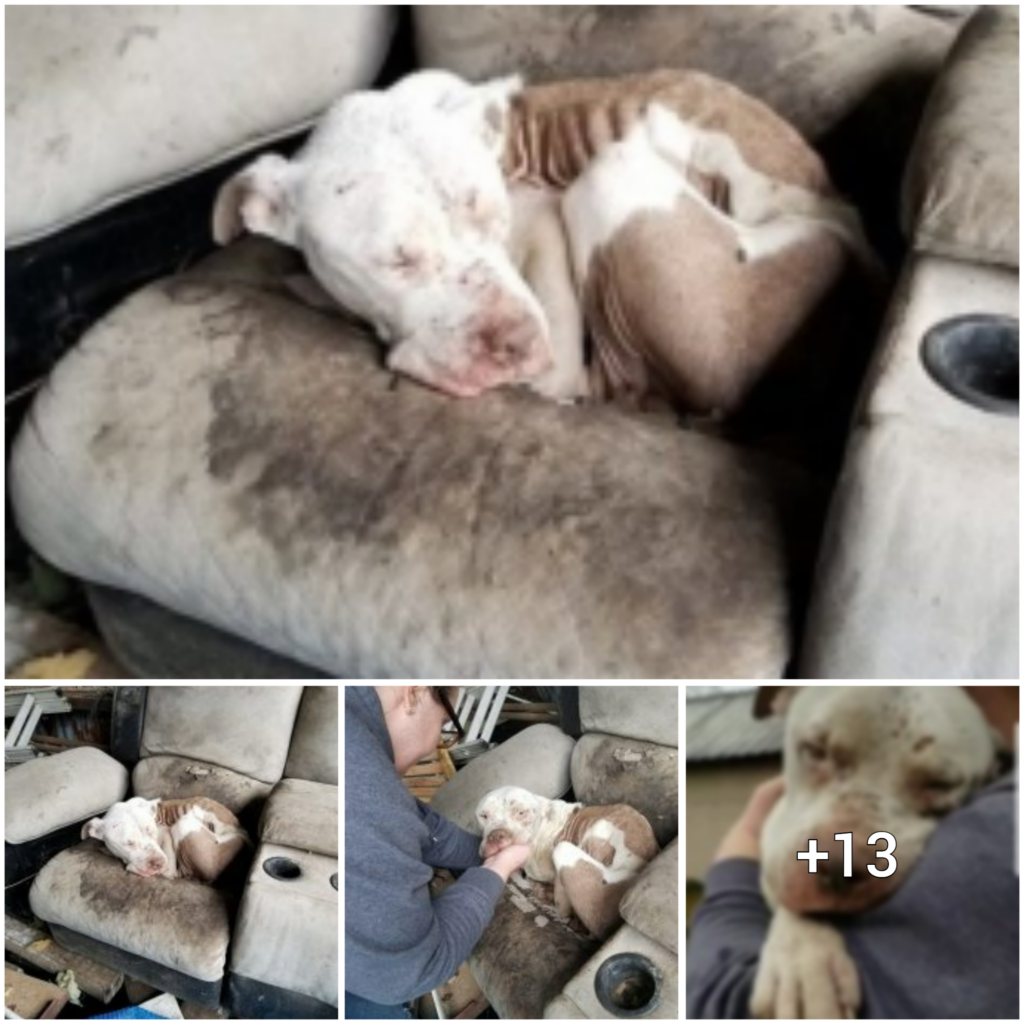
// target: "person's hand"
[[508, 859], [744, 838]]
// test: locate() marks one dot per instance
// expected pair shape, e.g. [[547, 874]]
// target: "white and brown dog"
[[858, 760], [482, 228], [591, 854], [190, 838]]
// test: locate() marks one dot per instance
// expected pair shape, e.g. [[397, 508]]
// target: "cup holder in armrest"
[[976, 359], [282, 868], [628, 985]]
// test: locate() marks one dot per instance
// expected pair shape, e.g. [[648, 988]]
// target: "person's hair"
[[436, 691]]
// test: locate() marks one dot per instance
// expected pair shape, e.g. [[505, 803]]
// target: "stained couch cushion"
[[287, 929], [313, 753], [166, 776], [814, 64], [640, 712], [962, 189], [48, 793], [107, 102], [244, 728], [179, 923], [652, 904], [303, 815], [228, 452]]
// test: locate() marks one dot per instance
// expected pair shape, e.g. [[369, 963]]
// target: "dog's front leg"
[[805, 973]]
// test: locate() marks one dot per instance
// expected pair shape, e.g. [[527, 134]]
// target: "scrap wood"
[[518, 710], [427, 776], [31, 998], [36, 947]]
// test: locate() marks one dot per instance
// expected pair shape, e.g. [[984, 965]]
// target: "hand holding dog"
[[508, 859], [744, 838]]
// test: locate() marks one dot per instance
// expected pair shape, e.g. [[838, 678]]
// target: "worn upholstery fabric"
[[652, 905], [163, 775], [814, 64], [104, 102], [287, 929], [251, 464], [962, 189], [919, 574], [642, 712], [313, 753], [244, 728], [180, 923], [304, 815], [46, 794]]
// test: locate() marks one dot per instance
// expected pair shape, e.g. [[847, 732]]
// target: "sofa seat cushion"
[[181, 924], [245, 728], [652, 905], [169, 777], [224, 450], [287, 930], [302, 814], [48, 793], [107, 102], [962, 190]]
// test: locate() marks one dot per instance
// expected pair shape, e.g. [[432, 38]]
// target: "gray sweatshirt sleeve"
[[946, 945], [450, 846]]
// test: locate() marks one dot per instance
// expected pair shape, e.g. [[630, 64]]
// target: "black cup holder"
[[976, 359], [284, 869], [334, 881], [628, 985]]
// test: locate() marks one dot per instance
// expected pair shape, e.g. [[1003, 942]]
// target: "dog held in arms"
[[857, 760], [191, 838], [591, 854]]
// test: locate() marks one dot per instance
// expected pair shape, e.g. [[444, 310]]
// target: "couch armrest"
[[49, 793], [961, 192]]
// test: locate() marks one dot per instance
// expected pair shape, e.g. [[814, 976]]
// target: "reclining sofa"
[[246, 491], [263, 940]]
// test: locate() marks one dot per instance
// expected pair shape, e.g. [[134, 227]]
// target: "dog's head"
[[400, 207], [863, 760], [506, 816], [130, 831]]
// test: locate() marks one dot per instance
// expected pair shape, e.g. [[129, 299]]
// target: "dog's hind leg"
[[592, 890]]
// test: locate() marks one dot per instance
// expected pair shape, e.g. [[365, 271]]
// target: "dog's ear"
[[93, 829], [256, 200], [774, 700], [487, 106], [482, 107]]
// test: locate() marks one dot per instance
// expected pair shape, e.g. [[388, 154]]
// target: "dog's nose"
[[832, 880]]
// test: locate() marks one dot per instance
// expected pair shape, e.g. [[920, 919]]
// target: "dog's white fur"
[[591, 854], [398, 203], [860, 760]]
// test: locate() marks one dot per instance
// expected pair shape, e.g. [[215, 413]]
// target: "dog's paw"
[[805, 973]]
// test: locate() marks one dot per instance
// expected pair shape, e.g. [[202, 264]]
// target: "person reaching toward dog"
[[943, 943], [400, 943]]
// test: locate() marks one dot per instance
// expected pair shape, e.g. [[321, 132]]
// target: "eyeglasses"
[[450, 739]]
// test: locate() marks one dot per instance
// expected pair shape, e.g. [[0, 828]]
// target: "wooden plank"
[[36, 947], [31, 998]]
